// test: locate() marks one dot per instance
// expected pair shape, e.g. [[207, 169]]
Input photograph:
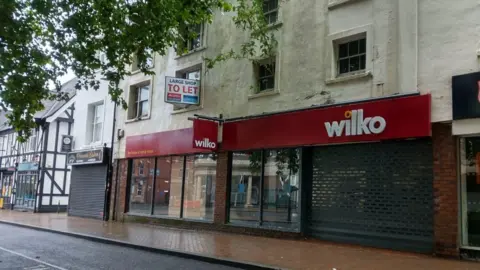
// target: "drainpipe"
[[106, 203]]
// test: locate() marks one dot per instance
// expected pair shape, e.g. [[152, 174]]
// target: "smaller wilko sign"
[[85, 157], [182, 91]]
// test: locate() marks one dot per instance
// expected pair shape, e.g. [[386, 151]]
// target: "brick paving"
[[286, 254]]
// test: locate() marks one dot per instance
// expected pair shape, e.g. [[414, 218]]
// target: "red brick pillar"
[[445, 188], [121, 179], [221, 196]]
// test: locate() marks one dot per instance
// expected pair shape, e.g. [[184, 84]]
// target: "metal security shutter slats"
[[377, 194], [87, 191]]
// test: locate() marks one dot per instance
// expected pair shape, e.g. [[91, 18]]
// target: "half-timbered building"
[[34, 175]]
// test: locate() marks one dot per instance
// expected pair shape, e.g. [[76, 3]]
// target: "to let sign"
[[182, 91], [205, 134]]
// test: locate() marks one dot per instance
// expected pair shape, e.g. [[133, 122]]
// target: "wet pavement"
[[287, 254], [22, 248]]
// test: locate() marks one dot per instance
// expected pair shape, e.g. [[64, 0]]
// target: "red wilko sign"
[[173, 142], [396, 118], [205, 134]]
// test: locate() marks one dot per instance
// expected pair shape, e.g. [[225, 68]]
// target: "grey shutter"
[[375, 194], [87, 191]]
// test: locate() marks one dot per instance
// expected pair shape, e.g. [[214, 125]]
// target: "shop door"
[[26, 189], [375, 194], [6, 190], [87, 191]]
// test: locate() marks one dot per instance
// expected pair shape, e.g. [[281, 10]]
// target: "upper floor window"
[[352, 56], [2, 145], [192, 39], [270, 10], [33, 141], [266, 76], [136, 62], [97, 122], [139, 101]]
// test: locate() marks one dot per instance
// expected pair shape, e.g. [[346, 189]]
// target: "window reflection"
[[281, 188], [200, 187], [470, 174], [245, 187], [141, 185]]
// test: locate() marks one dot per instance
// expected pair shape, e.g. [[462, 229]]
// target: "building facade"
[[345, 135], [34, 174], [90, 152]]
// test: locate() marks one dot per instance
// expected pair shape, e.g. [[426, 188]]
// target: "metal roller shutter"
[[87, 191], [375, 194]]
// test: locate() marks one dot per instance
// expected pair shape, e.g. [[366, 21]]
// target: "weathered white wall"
[[413, 45], [81, 117], [449, 35]]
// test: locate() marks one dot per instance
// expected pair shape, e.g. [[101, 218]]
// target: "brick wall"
[[121, 190], [221, 197], [445, 190]]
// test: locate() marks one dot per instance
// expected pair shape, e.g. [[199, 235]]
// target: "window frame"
[[32, 141], [331, 52], [263, 159], [132, 178], [264, 65], [268, 12], [94, 122], [351, 56], [135, 101]]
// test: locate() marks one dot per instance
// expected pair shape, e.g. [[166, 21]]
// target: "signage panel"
[[205, 134], [95, 156], [182, 91], [172, 142], [396, 118], [466, 96]]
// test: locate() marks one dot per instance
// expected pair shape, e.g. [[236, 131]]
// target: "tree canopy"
[[40, 40]]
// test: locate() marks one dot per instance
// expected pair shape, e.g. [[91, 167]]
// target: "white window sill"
[[264, 93], [349, 77], [138, 71], [137, 119], [191, 52], [195, 108], [336, 3], [275, 25]]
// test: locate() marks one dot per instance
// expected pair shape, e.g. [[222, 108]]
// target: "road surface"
[[22, 248]]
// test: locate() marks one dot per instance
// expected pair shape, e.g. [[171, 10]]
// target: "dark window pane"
[[353, 48], [271, 83], [355, 63], [272, 17], [362, 61], [263, 84], [343, 50], [141, 188], [363, 45], [343, 66]]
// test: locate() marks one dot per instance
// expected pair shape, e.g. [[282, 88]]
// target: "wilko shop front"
[[355, 173]]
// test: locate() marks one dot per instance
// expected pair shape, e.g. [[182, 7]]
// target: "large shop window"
[[266, 191], [470, 190], [184, 187]]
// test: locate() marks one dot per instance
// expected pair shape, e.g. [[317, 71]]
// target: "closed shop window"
[[177, 178], [141, 188], [266, 191]]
